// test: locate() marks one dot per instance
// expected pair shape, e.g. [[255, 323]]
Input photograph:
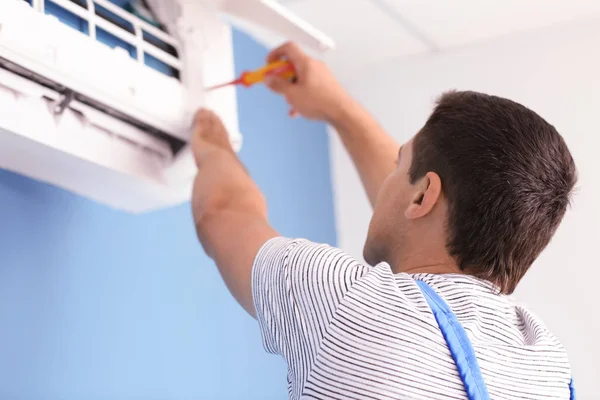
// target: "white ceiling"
[[370, 31]]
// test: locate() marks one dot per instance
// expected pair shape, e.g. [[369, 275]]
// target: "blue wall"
[[99, 304]]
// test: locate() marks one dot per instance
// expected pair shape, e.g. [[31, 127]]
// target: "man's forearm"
[[372, 150], [222, 183], [231, 220]]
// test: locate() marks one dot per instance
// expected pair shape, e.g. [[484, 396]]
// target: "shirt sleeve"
[[296, 287]]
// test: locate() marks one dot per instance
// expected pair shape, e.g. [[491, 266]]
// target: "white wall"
[[557, 74]]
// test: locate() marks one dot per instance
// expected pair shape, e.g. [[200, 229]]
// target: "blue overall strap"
[[458, 343], [572, 389]]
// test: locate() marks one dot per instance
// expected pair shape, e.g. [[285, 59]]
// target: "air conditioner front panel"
[[109, 76]]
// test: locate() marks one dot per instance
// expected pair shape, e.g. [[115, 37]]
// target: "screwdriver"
[[283, 68]]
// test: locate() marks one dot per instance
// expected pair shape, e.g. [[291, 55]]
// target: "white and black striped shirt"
[[350, 331]]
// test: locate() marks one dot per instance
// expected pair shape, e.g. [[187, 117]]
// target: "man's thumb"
[[277, 84]]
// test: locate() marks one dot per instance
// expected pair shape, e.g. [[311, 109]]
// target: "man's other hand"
[[315, 94], [208, 134]]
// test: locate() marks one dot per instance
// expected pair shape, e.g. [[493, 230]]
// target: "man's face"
[[388, 223]]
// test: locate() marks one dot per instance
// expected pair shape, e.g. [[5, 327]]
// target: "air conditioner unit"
[[99, 100]]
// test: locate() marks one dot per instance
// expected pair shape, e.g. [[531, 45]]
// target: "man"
[[461, 211]]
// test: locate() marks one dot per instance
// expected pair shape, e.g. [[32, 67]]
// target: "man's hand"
[[212, 150], [209, 134], [315, 94], [229, 210]]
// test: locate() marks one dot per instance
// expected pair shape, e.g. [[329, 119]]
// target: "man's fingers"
[[200, 124], [208, 121], [278, 84], [203, 117], [208, 127], [289, 51]]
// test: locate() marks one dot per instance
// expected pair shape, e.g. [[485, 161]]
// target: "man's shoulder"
[[299, 254], [386, 294]]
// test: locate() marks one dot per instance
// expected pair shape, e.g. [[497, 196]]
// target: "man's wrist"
[[207, 151], [342, 114]]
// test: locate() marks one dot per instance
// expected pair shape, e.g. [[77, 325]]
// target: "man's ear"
[[428, 192]]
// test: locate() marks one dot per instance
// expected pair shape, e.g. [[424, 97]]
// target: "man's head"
[[486, 182]]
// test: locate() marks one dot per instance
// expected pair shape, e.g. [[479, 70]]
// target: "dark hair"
[[507, 175]]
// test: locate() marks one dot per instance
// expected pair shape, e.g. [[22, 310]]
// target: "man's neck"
[[431, 269], [425, 262]]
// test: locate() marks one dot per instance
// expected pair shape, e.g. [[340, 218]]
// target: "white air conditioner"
[[99, 101]]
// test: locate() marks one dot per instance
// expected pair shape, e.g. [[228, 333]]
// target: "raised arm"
[[229, 210], [316, 94]]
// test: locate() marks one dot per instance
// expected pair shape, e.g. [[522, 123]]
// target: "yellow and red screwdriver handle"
[[248, 78]]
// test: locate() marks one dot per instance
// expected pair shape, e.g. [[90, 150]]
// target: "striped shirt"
[[352, 331]]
